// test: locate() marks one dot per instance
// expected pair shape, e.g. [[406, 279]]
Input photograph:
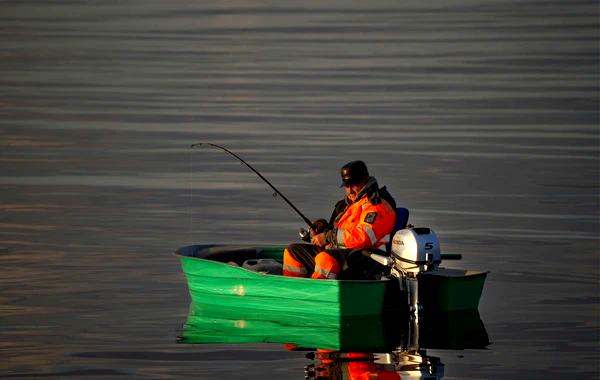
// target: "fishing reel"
[[318, 226], [304, 235]]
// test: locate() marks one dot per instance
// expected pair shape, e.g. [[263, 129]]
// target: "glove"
[[319, 226]]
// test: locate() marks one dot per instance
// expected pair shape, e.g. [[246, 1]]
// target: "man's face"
[[352, 191]]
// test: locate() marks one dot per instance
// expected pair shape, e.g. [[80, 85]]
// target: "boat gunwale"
[[180, 255]]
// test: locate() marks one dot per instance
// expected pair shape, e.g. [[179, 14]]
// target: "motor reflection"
[[412, 336], [330, 365]]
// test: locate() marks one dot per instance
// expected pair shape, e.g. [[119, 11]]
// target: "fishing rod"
[[310, 224]]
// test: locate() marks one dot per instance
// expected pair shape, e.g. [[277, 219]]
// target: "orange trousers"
[[304, 260]]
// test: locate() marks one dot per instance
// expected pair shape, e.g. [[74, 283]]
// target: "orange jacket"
[[367, 222]]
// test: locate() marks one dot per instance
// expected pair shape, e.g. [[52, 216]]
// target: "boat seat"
[[402, 215]]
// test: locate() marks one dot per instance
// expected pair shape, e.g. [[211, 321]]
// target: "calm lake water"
[[481, 117]]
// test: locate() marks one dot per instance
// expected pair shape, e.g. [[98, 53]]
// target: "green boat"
[[248, 278], [217, 278]]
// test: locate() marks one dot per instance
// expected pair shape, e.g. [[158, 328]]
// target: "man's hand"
[[319, 226], [318, 240]]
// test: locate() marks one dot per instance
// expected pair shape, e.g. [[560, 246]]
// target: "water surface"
[[482, 118]]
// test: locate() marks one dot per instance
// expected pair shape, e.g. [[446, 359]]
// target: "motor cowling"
[[416, 249]]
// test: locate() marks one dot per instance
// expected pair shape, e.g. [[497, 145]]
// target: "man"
[[363, 219]]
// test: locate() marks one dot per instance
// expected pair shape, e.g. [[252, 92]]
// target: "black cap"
[[354, 173]]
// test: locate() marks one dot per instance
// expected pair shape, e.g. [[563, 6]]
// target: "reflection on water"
[[380, 346], [398, 365]]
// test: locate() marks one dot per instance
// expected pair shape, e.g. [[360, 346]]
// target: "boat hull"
[[216, 280], [450, 289], [214, 284]]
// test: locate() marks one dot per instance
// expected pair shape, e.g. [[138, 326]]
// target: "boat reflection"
[[388, 346], [236, 325]]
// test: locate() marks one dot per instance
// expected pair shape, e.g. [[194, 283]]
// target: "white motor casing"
[[416, 249]]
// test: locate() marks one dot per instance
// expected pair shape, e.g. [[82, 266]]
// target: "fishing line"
[[277, 192]]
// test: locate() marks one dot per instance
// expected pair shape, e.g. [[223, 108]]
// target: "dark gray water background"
[[480, 116]]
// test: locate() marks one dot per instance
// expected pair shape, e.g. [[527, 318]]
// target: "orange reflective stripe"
[[292, 267], [370, 233], [357, 237], [340, 237], [326, 267], [353, 232], [288, 268], [322, 273]]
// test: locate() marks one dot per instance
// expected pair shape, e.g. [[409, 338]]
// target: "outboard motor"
[[416, 250], [413, 251]]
